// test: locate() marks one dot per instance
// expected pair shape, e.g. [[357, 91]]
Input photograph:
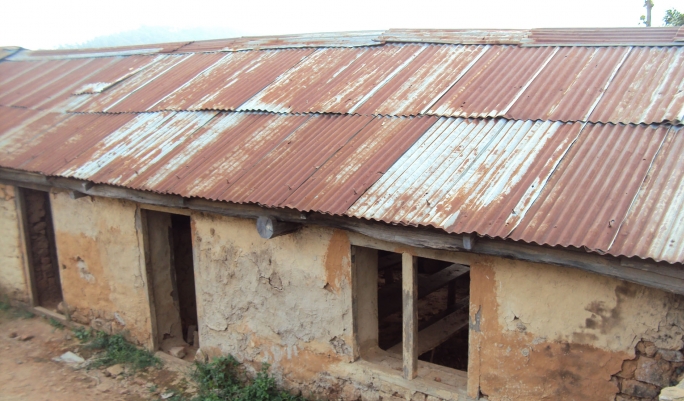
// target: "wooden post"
[[409, 276]]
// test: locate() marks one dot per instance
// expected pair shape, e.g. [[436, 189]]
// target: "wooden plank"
[[388, 295], [660, 275], [438, 333], [25, 243], [409, 275]]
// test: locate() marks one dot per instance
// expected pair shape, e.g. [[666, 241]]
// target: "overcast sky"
[[45, 24]]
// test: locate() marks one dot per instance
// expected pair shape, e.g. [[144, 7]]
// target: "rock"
[[124, 392], [101, 325], [650, 349], [628, 368], [167, 395], [672, 356], [25, 337], [672, 394], [438, 379], [13, 334], [67, 337], [115, 370], [653, 371], [639, 389], [178, 352]]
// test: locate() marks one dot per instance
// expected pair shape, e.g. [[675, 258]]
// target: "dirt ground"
[[29, 373]]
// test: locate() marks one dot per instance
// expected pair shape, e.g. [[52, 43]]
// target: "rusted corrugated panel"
[[218, 154], [99, 52], [65, 141], [456, 36], [494, 83], [654, 226], [135, 147], [680, 35], [11, 117], [326, 39], [468, 175], [604, 36], [102, 102], [294, 160], [232, 80], [333, 80], [335, 186], [23, 132], [421, 83], [570, 85], [587, 198], [44, 85], [647, 88]]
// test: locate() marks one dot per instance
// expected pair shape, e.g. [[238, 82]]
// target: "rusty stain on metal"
[[487, 132], [653, 226], [596, 183]]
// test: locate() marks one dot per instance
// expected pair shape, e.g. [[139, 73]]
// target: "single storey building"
[[390, 215]]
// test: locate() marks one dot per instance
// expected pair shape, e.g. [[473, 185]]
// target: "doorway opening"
[[41, 249], [171, 276]]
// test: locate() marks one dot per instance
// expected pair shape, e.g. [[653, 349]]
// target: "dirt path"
[[29, 373]]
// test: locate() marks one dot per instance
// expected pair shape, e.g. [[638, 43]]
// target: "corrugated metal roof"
[[640, 36], [654, 225], [99, 52], [596, 84], [469, 175], [503, 155], [649, 87], [456, 36], [595, 185], [325, 39]]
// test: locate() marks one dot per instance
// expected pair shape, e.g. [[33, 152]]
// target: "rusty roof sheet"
[[653, 226], [156, 48], [599, 178], [649, 87], [635, 36], [325, 39], [456, 36], [469, 175]]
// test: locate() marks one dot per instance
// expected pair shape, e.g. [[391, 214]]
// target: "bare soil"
[[29, 373]]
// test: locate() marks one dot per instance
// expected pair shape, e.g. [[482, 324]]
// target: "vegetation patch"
[[116, 350], [222, 379]]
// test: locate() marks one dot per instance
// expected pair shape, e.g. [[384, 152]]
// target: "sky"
[[48, 24]]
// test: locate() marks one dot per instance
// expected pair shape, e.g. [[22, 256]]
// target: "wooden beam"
[[409, 276], [659, 275], [438, 333], [76, 194], [269, 227]]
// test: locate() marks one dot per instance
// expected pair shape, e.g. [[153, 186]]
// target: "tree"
[[673, 18]]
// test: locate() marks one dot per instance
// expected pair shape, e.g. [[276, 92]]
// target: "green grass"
[[116, 350], [223, 380], [11, 312], [56, 324], [82, 334]]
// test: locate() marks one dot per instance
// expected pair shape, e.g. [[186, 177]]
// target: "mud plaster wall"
[[12, 280], [99, 247], [285, 301], [545, 332]]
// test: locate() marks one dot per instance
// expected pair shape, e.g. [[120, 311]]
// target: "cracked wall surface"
[[547, 332], [13, 283], [101, 262]]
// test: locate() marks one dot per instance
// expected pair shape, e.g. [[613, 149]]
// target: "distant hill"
[[155, 34]]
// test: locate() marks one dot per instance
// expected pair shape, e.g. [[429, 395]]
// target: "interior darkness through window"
[[443, 297]]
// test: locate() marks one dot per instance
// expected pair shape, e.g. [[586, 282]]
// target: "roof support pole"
[[409, 278]]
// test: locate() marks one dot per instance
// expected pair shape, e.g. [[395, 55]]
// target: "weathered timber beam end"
[[269, 227], [469, 241], [661, 275], [76, 194]]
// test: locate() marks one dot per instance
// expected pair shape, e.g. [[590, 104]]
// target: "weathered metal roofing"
[[469, 175], [654, 225], [596, 84], [637, 36], [325, 39], [474, 137], [596, 183]]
